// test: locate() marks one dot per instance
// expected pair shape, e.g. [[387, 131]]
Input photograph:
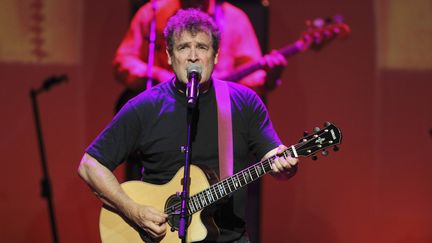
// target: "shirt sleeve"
[[262, 134], [119, 139]]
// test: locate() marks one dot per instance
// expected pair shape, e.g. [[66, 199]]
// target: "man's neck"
[[204, 87]]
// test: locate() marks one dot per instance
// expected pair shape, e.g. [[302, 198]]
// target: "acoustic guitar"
[[205, 191]]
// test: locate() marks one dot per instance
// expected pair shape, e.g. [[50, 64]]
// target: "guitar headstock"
[[329, 136], [321, 31]]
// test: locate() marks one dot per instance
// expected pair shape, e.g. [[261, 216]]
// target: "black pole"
[[152, 46], [184, 217], [45, 183]]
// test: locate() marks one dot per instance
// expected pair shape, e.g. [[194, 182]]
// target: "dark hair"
[[193, 21]]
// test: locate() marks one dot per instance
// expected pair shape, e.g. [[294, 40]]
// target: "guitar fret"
[[262, 165], [191, 206], [210, 196], [244, 177], [214, 191], [228, 183], [235, 182], [205, 198], [256, 171], [217, 190], [196, 201], [239, 180], [225, 186], [250, 175], [221, 190], [202, 200]]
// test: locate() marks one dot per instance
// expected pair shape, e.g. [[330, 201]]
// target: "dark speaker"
[[258, 15]]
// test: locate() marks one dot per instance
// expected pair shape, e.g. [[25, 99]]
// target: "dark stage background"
[[375, 85]]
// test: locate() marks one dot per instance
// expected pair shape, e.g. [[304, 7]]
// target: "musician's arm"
[[248, 50], [131, 71], [130, 61], [104, 184], [283, 168]]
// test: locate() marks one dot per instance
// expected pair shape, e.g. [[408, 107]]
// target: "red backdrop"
[[375, 189]]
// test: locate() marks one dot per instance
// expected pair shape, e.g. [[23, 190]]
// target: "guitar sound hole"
[[172, 208]]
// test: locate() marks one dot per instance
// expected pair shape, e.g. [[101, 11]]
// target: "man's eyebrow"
[[183, 44], [203, 44]]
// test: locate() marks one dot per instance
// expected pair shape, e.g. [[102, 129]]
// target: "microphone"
[[192, 89], [53, 80]]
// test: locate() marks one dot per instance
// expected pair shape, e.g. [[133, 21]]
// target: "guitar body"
[[116, 229]]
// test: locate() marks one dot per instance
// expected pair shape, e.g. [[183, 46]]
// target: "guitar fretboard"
[[231, 184], [247, 69]]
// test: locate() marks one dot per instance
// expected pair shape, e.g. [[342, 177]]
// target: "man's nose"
[[193, 56]]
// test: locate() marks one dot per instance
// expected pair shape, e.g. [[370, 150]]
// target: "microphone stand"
[[184, 217], [152, 45], [45, 181]]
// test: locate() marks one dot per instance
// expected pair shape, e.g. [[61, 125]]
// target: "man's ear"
[[216, 57], [169, 57]]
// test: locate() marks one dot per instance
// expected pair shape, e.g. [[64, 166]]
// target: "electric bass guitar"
[[205, 191], [319, 32]]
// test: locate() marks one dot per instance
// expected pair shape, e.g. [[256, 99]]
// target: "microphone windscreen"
[[194, 69]]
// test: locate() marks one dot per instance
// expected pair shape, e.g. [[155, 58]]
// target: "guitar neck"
[[309, 145], [231, 184], [247, 69]]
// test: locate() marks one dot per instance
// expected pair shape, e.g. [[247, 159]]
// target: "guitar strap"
[[225, 138]]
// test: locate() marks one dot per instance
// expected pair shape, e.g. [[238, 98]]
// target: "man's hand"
[[283, 167], [273, 63], [150, 220]]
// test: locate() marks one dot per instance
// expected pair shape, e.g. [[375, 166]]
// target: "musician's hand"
[[274, 64], [283, 167], [150, 220]]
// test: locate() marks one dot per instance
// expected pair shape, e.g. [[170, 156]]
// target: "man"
[[154, 124], [239, 45]]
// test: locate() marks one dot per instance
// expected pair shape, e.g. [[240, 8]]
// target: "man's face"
[[192, 49]]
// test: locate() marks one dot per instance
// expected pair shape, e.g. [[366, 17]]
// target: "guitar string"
[[230, 181]]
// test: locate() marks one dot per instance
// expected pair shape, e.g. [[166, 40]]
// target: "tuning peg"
[[335, 148], [324, 152], [316, 129], [319, 22], [314, 157], [326, 124]]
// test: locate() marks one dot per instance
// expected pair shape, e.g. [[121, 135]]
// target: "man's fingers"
[[157, 217], [282, 163], [156, 229]]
